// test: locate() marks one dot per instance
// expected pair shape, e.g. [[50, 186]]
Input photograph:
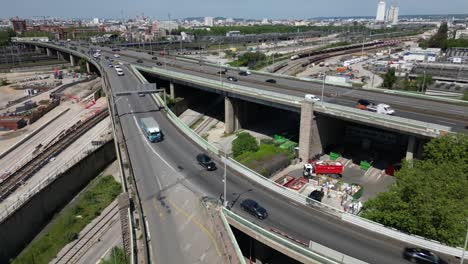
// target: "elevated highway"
[[169, 167]]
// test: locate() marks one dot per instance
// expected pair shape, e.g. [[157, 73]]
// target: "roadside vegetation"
[[117, 256], [264, 158], [420, 83], [5, 36], [254, 60], [67, 225], [443, 41], [430, 196], [465, 96]]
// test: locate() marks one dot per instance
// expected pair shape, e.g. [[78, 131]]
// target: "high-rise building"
[[208, 21], [380, 17], [392, 15], [18, 25]]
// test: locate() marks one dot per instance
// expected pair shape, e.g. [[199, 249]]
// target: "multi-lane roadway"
[[431, 111], [161, 169]]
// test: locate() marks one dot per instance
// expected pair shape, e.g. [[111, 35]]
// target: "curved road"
[[161, 168]]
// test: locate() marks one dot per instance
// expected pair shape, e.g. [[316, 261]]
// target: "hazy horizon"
[[273, 9]]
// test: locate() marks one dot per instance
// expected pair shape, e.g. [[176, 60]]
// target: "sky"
[[159, 9]]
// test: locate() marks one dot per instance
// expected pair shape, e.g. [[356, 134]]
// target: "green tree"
[[439, 40], [423, 81], [117, 256], [429, 198], [82, 64], [244, 143], [389, 78], [465, 96]]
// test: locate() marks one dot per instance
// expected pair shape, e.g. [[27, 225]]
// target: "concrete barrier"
[[22, 225]]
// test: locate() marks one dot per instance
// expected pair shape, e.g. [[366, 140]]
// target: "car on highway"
[[232, 79], [244, 73], [120, 73], [111, 66], [154, 58], [139, 61], [311, 97], [117, 55], [253, 208], [115, 49], [419, 255], [206, 161], [159, 63], [270, 80]]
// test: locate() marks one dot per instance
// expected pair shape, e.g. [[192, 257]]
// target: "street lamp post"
[[225, 202], [323, 85]]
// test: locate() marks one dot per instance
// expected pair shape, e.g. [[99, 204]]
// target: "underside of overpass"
[[316, 133], [257, 252]]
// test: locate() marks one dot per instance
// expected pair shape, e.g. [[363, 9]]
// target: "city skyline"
[[273, 9]]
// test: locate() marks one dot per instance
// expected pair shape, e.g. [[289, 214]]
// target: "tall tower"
[[380, 17], [392, 16]]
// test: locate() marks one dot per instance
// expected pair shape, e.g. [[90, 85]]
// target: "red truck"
[[324, 167]]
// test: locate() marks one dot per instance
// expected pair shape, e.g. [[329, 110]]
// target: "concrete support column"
[[49, 52], [411, 148], [59, 55], [229, 115], [88, 67], [309, 137], [72, 60], [171, 90], [37, 49]]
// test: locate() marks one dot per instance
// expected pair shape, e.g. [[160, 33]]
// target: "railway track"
[[73, 253], [66, 138]]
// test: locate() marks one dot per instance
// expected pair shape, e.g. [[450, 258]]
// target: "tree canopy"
[[244, 143], [389, 78], [430, 197]]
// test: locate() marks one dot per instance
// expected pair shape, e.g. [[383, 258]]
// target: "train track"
[[87, 239], [66, 138]]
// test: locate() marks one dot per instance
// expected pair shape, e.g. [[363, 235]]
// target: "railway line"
[[16, 178]]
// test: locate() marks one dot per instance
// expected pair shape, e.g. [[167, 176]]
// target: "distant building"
[[18, 25], [265, 21], [208, 21], [168, 25], [380, 17], [392, 15], [421, 55], [233, 33], [96, 21], [462, 33]]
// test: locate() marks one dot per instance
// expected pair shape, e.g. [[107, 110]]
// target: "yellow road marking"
[[202, 228]]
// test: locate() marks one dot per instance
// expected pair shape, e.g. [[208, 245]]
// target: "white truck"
[[384, 109]]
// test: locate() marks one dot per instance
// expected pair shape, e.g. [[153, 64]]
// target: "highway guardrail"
[[369, 225], [304, 200], [394, 122], [308, 79]]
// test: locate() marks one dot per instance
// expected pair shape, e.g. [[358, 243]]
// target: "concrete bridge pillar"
[[309, 137], [49, 52], [88, 67], [229, 115], [72, 60], [171, 90], [59, 55], [411, 148], [37, 48]]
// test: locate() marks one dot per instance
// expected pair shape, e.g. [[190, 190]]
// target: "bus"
[[151, 129]]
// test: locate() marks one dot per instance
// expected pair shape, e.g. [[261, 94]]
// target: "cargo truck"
[[151, 129], [373, 107], [331, 168]]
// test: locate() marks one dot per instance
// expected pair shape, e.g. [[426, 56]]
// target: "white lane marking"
[[151, 147], [445, 122]]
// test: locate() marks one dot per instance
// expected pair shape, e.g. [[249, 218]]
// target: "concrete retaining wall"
[[22, 226]]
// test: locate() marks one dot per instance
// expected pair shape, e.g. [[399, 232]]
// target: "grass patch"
[[268, 159], [197, 123], [67, 225], [117, 256]]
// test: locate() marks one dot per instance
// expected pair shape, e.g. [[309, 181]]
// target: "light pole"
[[225, 200], [323, 85], [466, 242]]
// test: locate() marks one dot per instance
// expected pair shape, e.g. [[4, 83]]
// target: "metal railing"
[[295, 196], [405, 124]]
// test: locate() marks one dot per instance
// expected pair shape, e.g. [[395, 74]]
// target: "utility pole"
[[323, 85]]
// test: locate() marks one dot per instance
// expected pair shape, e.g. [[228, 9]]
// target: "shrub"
[[244, 143]]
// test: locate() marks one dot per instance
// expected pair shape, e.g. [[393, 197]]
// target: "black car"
[[232, 79], [270, 81], [419, 255], [154, 58], [115, 49], [316, 195], [159, 63], [139, 61], [363, 102], [253, 208], [206, 162]]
